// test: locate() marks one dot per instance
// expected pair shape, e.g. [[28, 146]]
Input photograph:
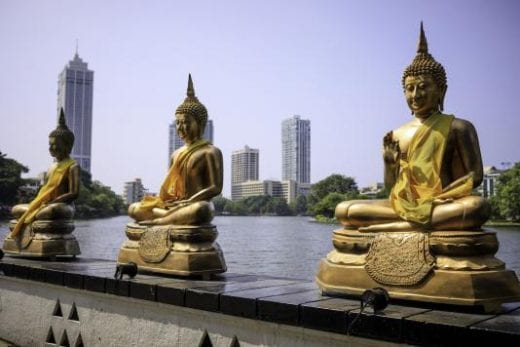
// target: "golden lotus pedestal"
[[42, 239], [446, 267], [182, 250]]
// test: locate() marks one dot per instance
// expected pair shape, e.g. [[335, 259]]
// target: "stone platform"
[[173, 249], [44, 238], [79, 303]]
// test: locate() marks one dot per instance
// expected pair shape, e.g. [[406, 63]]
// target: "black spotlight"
[[377, 298], [129, 269]]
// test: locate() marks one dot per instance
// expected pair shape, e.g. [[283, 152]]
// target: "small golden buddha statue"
[[431, 223], [181, 214], [42, 228]]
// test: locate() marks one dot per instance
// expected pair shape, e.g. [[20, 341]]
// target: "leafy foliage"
[[299, 207], [253, 206], [10, 179], [97, 200], [327, 193], [506, 203]]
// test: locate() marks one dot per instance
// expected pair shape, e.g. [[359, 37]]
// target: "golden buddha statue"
[[42, 228], [179, 217], [425, 242], [432, 163]]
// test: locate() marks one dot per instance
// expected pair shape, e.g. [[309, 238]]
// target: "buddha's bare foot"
[[394, 226], [437, 202], [147, 222]]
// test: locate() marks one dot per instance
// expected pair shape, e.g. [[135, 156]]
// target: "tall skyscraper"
[[296, 150], [244, 167], [175, 142], [75, 95]]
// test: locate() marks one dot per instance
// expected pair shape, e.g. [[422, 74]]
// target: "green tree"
[[96, 200], [326, 206], [299, 206], [507, 198], [335, 183], [220, 203], [10, 179], [277, 206]]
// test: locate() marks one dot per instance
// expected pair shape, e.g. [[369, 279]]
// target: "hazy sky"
[[254, 63]]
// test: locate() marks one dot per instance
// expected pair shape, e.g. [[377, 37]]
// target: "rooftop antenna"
[[77, 44]]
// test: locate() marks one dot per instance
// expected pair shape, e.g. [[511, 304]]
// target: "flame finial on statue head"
[[63, 132], [425, 64], [422, 46], [193, 106], [190, 92]]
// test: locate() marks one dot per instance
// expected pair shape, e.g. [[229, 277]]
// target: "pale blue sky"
[[254, 63]]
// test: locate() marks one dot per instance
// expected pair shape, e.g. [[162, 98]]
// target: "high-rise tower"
[[175, 142], [296, 150], [75, 95], [244, 167]]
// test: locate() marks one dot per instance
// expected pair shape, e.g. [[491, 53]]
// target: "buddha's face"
[[57, 148], [187, 127], [422, 95]]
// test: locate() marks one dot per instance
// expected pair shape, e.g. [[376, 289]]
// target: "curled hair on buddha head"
[[425, 64], [63, 133], [193, 107]]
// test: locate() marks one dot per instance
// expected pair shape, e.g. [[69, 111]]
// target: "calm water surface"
[[277, 246]]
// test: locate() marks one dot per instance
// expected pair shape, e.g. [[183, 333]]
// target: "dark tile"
[[285, 308], [168, 294], [243, 302], [501, 330], [195, 294], [174, 291], [327, 315], [53, 276], [440, 327], [384, 325], [73, 280], [145, 288], [117, 287], [36, 274], [94, 283], [202, 299], [94, 279], [20, 271], [7, 268], [208, 297]]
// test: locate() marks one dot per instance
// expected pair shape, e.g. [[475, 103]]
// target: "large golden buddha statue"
[[172, 233], [432, 163], [43, 227], [425, 242]]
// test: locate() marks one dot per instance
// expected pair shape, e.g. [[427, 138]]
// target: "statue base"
[[181, 250], [43, 239], [444, 267]]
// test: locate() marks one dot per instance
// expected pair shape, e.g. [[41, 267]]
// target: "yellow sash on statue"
[[174, 185], [419, 181], [47, 193]]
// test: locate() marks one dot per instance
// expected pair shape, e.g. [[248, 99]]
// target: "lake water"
[[277, 246]]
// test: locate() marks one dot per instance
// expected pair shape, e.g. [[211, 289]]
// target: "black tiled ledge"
[[280, 300]]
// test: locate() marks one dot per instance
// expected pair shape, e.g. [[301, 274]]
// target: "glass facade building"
[[75, 95], [296, 150]]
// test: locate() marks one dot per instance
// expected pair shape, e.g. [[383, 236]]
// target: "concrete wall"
[[40, 314]]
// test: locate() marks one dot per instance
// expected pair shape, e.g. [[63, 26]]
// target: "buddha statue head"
[[61, 139], [424, 81], [191, 116]]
